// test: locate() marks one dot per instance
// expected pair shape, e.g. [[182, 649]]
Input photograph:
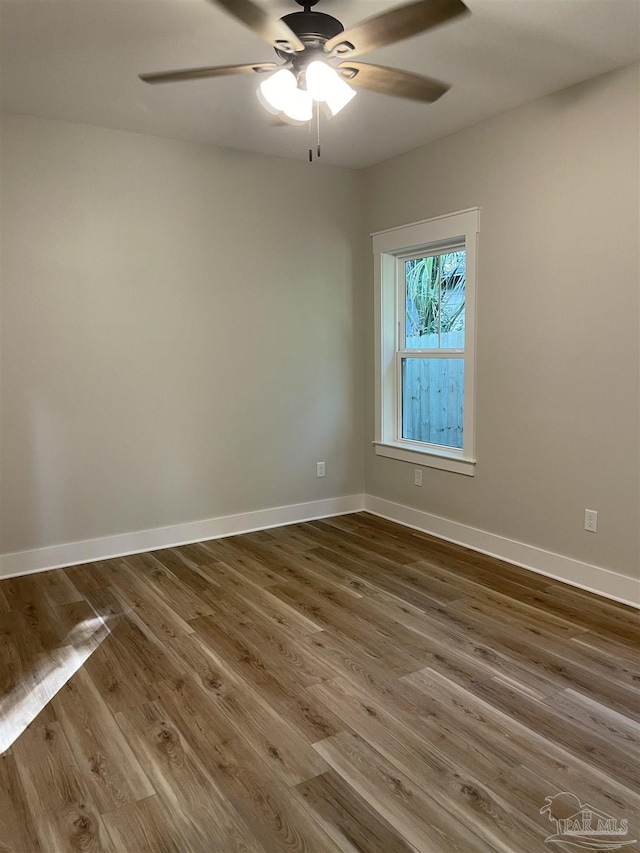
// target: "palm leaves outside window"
[[435, 295]]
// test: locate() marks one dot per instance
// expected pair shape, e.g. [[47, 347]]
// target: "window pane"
[[452, 299], [433, 400], [422, 303], [435, 301]]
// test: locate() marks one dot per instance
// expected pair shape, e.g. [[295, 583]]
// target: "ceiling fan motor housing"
[[312, 28]]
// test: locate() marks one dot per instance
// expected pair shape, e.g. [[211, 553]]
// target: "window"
[[425, 365]]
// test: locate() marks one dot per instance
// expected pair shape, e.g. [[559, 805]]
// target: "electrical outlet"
[[590, 520], [417, 477], [319, 469]]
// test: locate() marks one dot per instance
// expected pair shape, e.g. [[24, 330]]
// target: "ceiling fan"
[[316, 54]]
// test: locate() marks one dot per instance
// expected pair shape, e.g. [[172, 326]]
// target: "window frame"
[[391, 248]]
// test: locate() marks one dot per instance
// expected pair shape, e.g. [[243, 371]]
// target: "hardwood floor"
[[340, 685]]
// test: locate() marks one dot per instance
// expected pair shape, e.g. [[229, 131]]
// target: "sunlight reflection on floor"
[[49, 674]]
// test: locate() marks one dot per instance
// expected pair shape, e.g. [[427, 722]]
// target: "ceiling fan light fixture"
[[325, 84], [340, 99], [274, 92], [303, 39], [279, 93], [299, 107]]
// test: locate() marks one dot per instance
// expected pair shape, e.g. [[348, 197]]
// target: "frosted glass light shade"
[[325, 84], [274, 91], [279, 93], [299, 106]]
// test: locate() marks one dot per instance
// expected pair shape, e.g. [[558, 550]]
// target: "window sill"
[[427, 458]]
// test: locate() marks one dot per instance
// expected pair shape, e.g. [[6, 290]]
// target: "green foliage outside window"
[[435, 294]]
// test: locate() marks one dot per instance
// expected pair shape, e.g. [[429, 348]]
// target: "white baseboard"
[[574, 572], [583, 575], [108, 547]]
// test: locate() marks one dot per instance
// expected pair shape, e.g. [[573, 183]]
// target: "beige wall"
[[558, 387], [181, 332]]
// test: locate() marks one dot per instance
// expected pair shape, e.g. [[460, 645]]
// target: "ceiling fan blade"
[[211, 71], [395, 25], [272, 30], [391, 81]]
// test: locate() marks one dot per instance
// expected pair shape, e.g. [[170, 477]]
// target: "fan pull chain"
[[317, 112]]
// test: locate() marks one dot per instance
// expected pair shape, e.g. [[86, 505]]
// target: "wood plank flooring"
[[341, 685]]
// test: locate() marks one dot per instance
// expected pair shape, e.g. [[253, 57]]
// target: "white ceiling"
[[78, 60]]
